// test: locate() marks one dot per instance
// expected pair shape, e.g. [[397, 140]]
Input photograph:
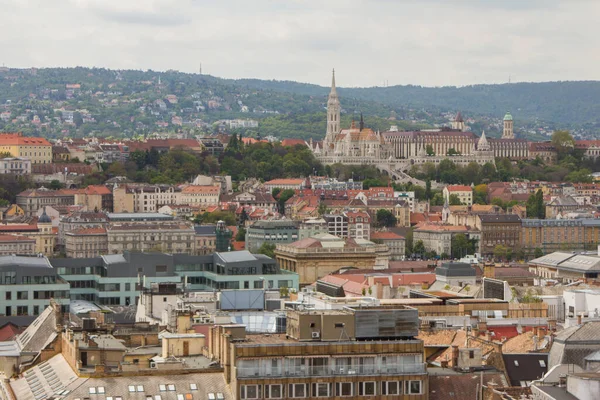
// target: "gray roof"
[[564, 201], [595, 356], [236, 256], [555, 392], [569, 261], [24, 261], [138, 216], [505, 218], [274, 224], [455, 269], [205, 230], [114, 258], [574, 344]]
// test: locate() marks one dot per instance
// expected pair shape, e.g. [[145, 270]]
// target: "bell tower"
[[508, 133], [333, 110]]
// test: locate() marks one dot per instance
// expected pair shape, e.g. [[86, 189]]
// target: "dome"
[[508, 117], [44, 218]]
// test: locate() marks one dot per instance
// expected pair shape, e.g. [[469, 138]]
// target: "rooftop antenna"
[[200, 71], [509, 78]]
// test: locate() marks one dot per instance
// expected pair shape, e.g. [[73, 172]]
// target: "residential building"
[[80, 220], [132, 198], [86, 243], [14, 244], [359, 224], [114, 153], [312, 227], [574, 344], [464, 193], [561, 205], [95, 198], [402, 213], [560, 234], [36, 149], [205, 237], [15, 166], [272, 232], [28, 283], [438, 238], [31, 200], [317, 256], [393, 241], [288, 183], [330, 354], [337, 225], [203, 196], [499, 229], [167, 237]]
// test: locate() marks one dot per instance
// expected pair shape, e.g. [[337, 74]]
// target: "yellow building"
[[38, 150]]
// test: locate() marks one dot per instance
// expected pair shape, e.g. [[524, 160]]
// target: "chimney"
[[482, 325], [579, 319]]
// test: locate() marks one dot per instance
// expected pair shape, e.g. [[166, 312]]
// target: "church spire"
[[333, 110], [333, 89], [362, 123]]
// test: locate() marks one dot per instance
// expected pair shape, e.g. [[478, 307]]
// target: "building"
[[15, 244], [78, 221], [337, 225], [130, 198], [167, 237], [86, 243], [395, 242], [15, 166], [574, 344], [312, 227], [393, 150], [206, 239], [28, 283], [507, 132], [317, 256], [272, 232], [36, 149], [31, 200], [118, 279], [438, 238], [560, 234], [561, 205], [456, 274], [464, 193], [499, 229], [95, 198], [330, 354], [566, 267], [283, 184], [359, 225], [202, 196]]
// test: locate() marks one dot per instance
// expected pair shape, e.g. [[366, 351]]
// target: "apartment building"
[[167, 237], [463, 192], [560, 234], [31, 200], [499, 229], [15, 166], [144, 198], [271, 231], [15, 244], [86, 243], [327, 354], [36, 149], [80, 220]]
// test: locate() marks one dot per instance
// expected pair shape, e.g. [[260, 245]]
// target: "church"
[[397, 150]]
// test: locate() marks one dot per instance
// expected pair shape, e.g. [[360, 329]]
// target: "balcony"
[[324, 371]]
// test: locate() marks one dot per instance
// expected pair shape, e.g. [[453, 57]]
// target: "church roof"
[[508, 117], [458, 118]]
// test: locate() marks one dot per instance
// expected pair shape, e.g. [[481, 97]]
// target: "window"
[[101, 389], [344, 389], [131, 389], [140, 388], [22, 295], [193, 386], [320, 390], [297, 390], [92, 390], [162, 388], [274, 391], [250, 392], [412, 387], [471, 354], [542, 363], [390, 388], [8, 295], [366, 388]]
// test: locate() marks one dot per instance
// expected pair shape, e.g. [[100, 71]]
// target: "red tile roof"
[[385, 236], [15, 238], [459, 188], [14, 139], [292, 142]]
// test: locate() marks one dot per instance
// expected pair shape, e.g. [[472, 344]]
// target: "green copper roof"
[[508, 117]]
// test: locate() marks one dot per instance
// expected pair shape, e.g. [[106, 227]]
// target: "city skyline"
[[370, 43]]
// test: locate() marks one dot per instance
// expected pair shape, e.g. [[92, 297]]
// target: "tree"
[[454, 200], [452, 152], [240, 236], [408, 243], [283, 197], [55, 184], [419, 247], [428, 189], [444, 256], [502, 252], [268, 249], [541, 207], [563, 142], [385, 218], [429, 150], [480, 194], [322, 209], [537, 253], [460, 245], [243, 218], [532, 209]]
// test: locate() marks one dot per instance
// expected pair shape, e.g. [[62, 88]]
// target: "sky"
[[368, 42]]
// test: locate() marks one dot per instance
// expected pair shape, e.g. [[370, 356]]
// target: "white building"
[[15, 165]]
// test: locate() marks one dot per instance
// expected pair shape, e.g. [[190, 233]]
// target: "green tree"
[[428, 189], [460, 246], [480, 194], [452, 152], [268, 249], [502, 252], [532, 208], [563, 142], [322, 209], [240, 236], [454, 200], [537, 253], [419, 247], [283, 197], [55, 184], [408, 243], [385, 218], [429, 150], [541, 207], [243, 218]]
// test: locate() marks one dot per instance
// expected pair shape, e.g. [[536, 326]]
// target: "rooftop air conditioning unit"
[[316, 335]]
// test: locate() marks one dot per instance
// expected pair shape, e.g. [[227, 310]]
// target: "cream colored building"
[[182, 344], [463, 192], [14, 244], [164, 237], [86, 243], [144, 198], [203, 196], [36, 149]]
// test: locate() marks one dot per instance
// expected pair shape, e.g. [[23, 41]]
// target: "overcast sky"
[[422, 42]]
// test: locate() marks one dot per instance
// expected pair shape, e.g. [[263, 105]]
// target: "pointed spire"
[[362, 122], [333, 89]]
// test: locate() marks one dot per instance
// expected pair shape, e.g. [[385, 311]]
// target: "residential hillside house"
[[464, 193], [36, 149]]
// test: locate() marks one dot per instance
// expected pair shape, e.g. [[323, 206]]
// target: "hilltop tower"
[[333, 111], [508, 133]]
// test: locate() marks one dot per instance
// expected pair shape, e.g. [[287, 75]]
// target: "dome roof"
[[508, 117], [44, 218]]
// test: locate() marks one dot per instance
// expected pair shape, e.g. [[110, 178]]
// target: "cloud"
[[426, 42]]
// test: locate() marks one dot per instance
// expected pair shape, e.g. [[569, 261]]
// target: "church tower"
[[508, 133], [458, 123], [333, 110]]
